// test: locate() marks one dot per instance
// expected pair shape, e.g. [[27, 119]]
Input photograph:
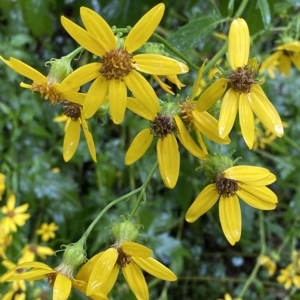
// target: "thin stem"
[[291, 142], [241, 9], [75, 52]]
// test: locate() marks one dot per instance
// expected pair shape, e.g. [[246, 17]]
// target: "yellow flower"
[[228, 297], [102, 270], [246, 182], [5, 239], [47, 231], [2, 185], [162, 126], [173, 78], [49, 87], [283, 57], [267, 263], [14, 216], [31, 250], [244, 94], [289, 277], [118, 67]]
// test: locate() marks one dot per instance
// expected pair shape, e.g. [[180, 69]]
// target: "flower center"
[[226, 187], [72, 110], [116, 64], [241, 79], [47, 92], [186, 113], [162, 126], [123, 258], [50, 278], [289, 53]]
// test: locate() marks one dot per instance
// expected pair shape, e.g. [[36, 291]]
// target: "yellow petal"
[[139, 146], [117, 100], [62, 287], [228, 112], [168, 160], [155, 268], [208, 126], [144, 28], [259, 197], [265, 110], [230, 218], [265, 181], [270, 61], [74, 97], [89, 139], [102, 270], [35, 274], [136, 281], [246, 120], [86, 270], [137, 106], [95, 96], [292, 46], [238, 43], [81, 286], [197, 83], [163, 85], [111, 280], [71, 139], [136, 249], [158, 65], [187, 140], [142, 90], [296, 61], [285, 65], [246, 173], [98, 28], [213, 93], [7, 62], [203, 203], [83, 38]]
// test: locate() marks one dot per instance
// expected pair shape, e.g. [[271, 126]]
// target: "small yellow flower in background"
[[289, 277], [268, 263], [5, 239], [55, 170], [118, 68], [14, 216], [283, 57], [47, 231], [229, 184], [173, 78], [2, 185], [228, 297], [30, 251], [244, 95]]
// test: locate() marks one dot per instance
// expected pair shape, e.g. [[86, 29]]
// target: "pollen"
[[116, 64], [123, 258], [186, 113], [162, 126], [226, 187], [72, 110], [241, 79], [47, 92]]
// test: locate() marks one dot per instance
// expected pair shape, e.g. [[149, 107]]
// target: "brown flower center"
[[186, 113], [123, 258], [226, 187], [116, 64], [47, 92], [241, 79], [72, 110], [162, 125], [50, 278]]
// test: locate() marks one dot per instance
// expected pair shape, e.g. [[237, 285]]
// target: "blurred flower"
[[31, 250], [173, 78], [14, 216], [289, 277], [283, 58], [229, 183], [267, 263], [244, 94], [47, 231], [2, 185], [228, 297], [5, 239], [118, 67]]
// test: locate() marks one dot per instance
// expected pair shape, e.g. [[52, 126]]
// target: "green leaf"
[[295, 3], [265, 12]]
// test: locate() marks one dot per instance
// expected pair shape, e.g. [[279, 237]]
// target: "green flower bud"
[[124, 232], [60, 69]]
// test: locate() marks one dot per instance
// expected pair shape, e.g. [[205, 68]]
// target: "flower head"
[[47, 231], [289, 277], [267, 263], [2, 185], [30, 251], [229, 183], [118, 67]]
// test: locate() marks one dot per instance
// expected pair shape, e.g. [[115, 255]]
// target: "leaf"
[[265, 12], [295, 3], [191, 34]]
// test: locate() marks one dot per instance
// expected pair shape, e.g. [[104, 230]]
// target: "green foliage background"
[[31, 146]]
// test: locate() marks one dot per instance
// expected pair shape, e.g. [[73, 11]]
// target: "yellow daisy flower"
[[102, 270], [268, 263], [118, 67], [31, 250], [244, 94], [2, 185], [5, 239], [245, 182], [14, 216], [47, 231], [162, 126], [283, 58], [289, 277]]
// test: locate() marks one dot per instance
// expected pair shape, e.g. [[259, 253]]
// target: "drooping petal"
[[158, 65], [138, 107], [83, 37], [98, 28], [139, 146], [89, 139], [265, 181], [102, 270], [265, 110], [168, 160], [142, 90], [117, 100], [228, 112], [82, 285], [285, 64], [292, 46], [208, 125], [71, 139], [136, 281], [296, 60], [270, 61], [197, 82], [246, 120], [95, 96], [259, 197], [62, 287], [230, 218], [246, 173], [35, 274], [74, 97], [187, 140], [111, 280], [155, 268], [213, 93], [238, 43], [7, 62], [27, 71], [201, 142], [163, 85], [136, 249], [203, 203], [86, 270], [144, 28]]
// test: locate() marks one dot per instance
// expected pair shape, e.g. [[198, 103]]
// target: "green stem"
[[252, 276], [241, 9], [291, 142], [75, 52], [142, 193]]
